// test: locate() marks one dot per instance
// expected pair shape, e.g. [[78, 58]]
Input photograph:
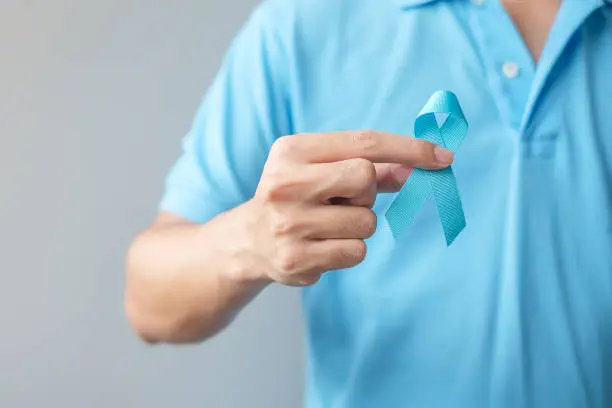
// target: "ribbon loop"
[[441, 122]]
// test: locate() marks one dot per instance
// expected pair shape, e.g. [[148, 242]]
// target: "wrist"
[[244, 273], [236, 248]]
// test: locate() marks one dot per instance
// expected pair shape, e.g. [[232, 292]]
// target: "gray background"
[[94, 98]]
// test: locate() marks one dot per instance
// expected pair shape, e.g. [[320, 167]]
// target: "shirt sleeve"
[[242, 113]]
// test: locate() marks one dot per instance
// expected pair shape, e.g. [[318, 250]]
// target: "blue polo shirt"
[[518, 311]]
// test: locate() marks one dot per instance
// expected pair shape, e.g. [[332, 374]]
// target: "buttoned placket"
[[515, 80], [508, 63]]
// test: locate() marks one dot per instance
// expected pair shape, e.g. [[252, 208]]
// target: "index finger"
[[375, 146]]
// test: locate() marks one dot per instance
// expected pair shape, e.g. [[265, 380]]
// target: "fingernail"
[[444, 156]]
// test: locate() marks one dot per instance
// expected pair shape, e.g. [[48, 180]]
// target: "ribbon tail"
[[441, 122], [408, 201], [448, 202]]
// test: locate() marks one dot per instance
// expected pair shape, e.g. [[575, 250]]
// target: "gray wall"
[[94, 98]]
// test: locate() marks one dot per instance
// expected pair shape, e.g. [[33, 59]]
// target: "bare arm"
[[185, 282]]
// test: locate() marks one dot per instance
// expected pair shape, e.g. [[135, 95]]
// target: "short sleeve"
[[242, 113]]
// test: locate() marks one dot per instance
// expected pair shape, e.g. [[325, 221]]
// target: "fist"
[[313, 206]]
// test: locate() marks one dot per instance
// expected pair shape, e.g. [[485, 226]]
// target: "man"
[[517, 312]]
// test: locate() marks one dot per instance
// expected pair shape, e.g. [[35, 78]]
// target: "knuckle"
[[276, 187], [282, 224], [363, 169], [284, 146], [288, 260], [365, 140]]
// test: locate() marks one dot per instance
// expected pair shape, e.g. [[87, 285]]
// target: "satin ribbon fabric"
[[441, 121]]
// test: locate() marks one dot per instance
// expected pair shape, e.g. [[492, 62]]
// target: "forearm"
[[185, 282]]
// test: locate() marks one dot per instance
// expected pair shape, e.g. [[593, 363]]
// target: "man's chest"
[[537, 159], [514, 108], [533, 266]]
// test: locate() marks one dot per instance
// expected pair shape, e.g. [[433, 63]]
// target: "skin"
[[533, 19], [310, 214]]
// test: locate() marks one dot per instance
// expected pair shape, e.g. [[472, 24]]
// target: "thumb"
[[391, 177]]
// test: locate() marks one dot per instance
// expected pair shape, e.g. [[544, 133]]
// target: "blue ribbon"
[[441, 121]]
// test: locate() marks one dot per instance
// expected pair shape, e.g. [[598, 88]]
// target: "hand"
[[312, 208]]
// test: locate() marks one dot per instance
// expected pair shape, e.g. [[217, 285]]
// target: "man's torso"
[[518, 311]]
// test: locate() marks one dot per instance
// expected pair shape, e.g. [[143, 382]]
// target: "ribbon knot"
[[441, 122]]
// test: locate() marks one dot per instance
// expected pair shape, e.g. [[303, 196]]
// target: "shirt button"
[[478, 2], [510, 69]]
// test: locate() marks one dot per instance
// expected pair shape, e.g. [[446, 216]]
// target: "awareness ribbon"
[[441, 122]]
